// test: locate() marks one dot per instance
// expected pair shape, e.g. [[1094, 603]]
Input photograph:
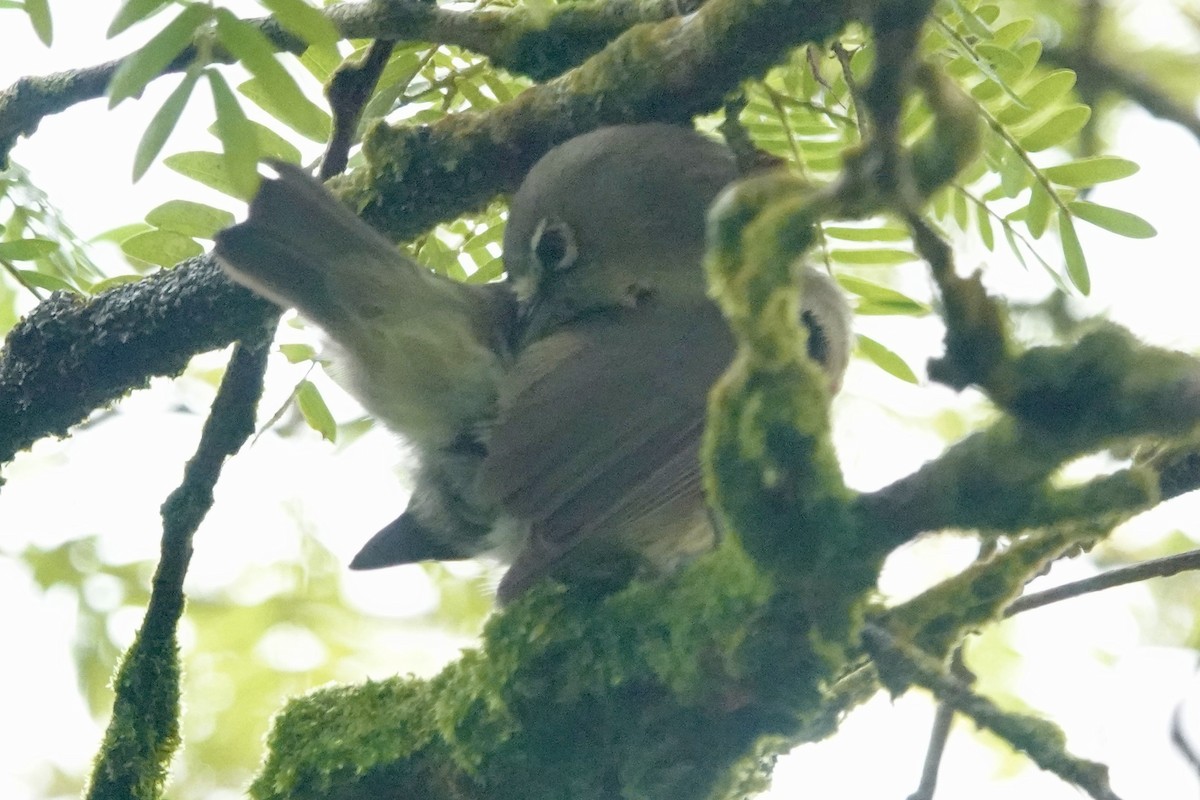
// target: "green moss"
[[143, 733], [937, 620]]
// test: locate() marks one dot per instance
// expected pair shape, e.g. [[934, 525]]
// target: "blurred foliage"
[[274, 632]]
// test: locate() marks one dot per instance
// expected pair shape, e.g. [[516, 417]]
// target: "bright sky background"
[[1085, 665]]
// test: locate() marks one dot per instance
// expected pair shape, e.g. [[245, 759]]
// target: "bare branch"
[[1157, 568]]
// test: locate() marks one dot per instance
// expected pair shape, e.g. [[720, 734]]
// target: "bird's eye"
[[553, 245], [818, 341]]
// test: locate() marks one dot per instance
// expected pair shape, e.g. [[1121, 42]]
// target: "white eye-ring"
[[553, 245]]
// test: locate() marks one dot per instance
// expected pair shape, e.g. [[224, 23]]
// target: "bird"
[[557, 415]]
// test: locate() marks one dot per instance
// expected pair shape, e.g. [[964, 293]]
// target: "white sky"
[[1115, 708]]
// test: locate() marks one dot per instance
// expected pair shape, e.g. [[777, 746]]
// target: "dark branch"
[[348, 91], [143, 733], [70, 356], [1138, 88], [1157, 568], [512, 38]]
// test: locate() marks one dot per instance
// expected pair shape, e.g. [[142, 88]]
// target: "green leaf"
[[120, 233], [303, 20], [112, 283], [882, 299], [315, 412], [876, 257], [165, 248], [190, 218], [41, 280], [984, 220], [26, 249], [1037, 213], [885, 359], [160, 127], [147, 63], [131, 12], [1091, 171], [866, 234], [1077, 269], [238, 137], [39, 17], [271, 144], [1041, 95], [321, 60], [275, 90], [1056, 130], [1122, 223], [298, 353], [206, 168]]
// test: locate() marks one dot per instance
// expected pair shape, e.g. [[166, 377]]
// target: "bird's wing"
[[600, 427]]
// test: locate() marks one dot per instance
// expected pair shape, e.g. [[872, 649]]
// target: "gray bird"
[[557, 416]]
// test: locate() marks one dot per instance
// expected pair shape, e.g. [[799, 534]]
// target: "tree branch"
[[901, 665], [1134, 573], [1105, 75], [514, 39], [70, 357], [143, 733]]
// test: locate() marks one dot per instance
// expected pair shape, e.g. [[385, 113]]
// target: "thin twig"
[[901, 665], [1157, 568]]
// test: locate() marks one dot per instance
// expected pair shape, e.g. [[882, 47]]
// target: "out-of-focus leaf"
[[885, 359], [879, 234], [121, 232], [112, 283], [1091, 171], [238, 137], [271, 144], [276, 92], [189, 218], [1056, 130], [165, 248], [26, 249], [1077, 269], [303, 20], [147, 63], [160, 127], [39, 17], [1119, 222], [882, 299], [316, 413], [50, 283], [131, 12], [1037, 213], [321, 60], [875, 257], [1042, 94], [983, 219], [298, 353], [206, 168]]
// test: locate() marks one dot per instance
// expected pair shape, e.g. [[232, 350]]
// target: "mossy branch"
[[71, 356], [538, 45], [143, 734]]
